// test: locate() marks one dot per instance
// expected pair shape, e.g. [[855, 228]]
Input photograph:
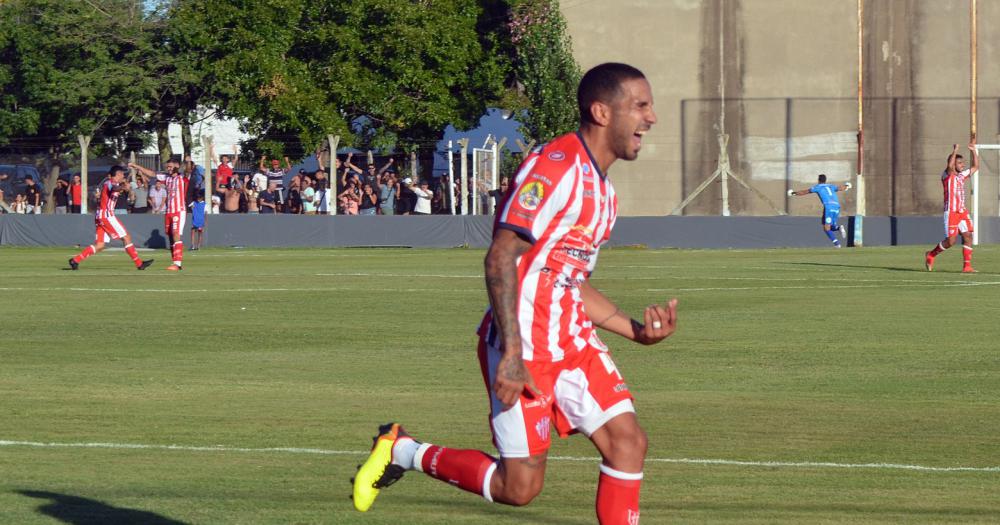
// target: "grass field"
[[803, 386]]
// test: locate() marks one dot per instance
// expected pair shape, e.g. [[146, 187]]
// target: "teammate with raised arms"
[[956, 217], [542, 361], [176, 216]]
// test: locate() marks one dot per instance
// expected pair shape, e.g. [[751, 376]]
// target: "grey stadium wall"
[[451, 231]]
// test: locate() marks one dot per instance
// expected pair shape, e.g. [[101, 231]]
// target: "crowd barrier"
[[453, 231]]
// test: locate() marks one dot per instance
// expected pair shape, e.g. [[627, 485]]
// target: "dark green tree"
[[545, 72], [380, 73], [69, 69]]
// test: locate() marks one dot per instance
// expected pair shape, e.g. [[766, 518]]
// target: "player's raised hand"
[[660, 323]]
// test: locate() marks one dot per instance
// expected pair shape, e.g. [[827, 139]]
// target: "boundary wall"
[[452, 231]]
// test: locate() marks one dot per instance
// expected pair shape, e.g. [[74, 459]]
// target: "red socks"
[[937, 249], [472, 470], [87, 252], [618, 497], [469, 470], [130, 250], [177, 251], [967, 254]]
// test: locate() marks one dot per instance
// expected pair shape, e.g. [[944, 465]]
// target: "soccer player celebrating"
[[176, 216], [956, 216], [827, 194], [108, 226], [540, 355]]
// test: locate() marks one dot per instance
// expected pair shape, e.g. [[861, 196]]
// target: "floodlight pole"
[[84, 194]]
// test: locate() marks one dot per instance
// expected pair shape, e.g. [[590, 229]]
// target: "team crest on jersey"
[[586, 169], [557, 156], [531, 195], [543, 428]]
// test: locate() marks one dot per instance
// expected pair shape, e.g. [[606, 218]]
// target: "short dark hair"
[[957, 156], [602, 84], [822, 178], [115, 169]]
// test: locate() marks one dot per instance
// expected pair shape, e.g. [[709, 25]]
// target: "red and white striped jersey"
[[562, 204], [109, 197], [954, 190], [176, 193]]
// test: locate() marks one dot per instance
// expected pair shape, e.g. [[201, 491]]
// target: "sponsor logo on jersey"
[[633, 517], [542, 178], [557, 156], [531, 195]]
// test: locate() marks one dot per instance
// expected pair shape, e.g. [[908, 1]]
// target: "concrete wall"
[[790, 83], [441, 231]]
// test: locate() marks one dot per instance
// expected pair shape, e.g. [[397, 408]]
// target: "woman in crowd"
[[369, 201], [350, 198]]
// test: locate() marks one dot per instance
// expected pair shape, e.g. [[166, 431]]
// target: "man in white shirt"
[[424, 194]]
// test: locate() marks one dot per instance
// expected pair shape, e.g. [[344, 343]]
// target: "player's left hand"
[[660, 322]]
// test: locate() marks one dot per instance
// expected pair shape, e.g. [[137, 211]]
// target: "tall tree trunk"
[[163, 142], [55, 164], [186, 140]]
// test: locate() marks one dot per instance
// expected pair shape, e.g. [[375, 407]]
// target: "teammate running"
[[956, 216], [108, 226], [827, 194], [176, 215], [542, 361]]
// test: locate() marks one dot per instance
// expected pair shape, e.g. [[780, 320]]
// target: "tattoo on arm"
[[502, 286]]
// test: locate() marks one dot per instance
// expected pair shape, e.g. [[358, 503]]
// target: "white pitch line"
[[326, 452], [943, 284], [251, 290]]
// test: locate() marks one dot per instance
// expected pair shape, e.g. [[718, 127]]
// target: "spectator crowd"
[[348, 190]]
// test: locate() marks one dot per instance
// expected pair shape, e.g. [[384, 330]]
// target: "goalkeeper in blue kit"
[[827, 194]]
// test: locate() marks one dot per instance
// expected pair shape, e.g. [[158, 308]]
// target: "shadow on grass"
[[85, 511], [496, 513]]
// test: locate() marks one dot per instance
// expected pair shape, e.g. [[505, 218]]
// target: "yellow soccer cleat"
[[378, 471]]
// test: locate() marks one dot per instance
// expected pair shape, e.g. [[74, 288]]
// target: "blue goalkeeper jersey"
[[827, 194]]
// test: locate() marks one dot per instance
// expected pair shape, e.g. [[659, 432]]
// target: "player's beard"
[[624, 142]]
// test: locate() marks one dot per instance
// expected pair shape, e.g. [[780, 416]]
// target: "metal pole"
[[209, 153], [464, 170], [972, 87], [331, 180], [84, 193], [495, 169], [451, 176], [859, 206], [722, 104]]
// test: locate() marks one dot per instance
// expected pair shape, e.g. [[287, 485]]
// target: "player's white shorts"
[[956, 223], [580, 393], [108, 229], [173, 224]]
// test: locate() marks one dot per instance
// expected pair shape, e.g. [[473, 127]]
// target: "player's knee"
[[521, 494], [630, 445]]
